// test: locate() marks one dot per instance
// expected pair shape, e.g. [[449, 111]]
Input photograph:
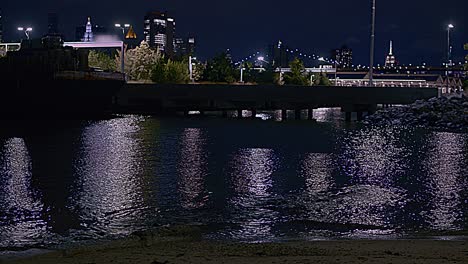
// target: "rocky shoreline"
[[443, 114]]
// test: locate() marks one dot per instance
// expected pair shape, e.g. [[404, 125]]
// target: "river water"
[[240, 180]]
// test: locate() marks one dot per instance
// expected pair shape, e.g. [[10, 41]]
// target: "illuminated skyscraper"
[[343, 57], [159, 31], [390, 61], [184, 46], [88, 35], [90, 32]]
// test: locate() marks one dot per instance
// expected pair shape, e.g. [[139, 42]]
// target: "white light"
[[20, 28], [321, 59], [170, 19], [117, 25], [261, 58], [451, 26], [29, 29], [127, 25]]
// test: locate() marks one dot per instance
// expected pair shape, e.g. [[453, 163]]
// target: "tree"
[[101, 60], [170, 72], [220, 69], [298, 74], [139, 61], [321, 79], [198, 70], [466, 58]]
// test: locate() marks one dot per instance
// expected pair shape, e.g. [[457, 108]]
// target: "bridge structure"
[[78, 45], [104, 44], [5, 47], [146, 98]]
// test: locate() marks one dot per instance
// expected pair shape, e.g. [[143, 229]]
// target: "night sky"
[[417, 27]]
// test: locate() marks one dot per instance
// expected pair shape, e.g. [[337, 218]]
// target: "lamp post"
[[122, 28], [122, 59], [449, 47], [25, 30], [371, 67], [191, 68], [319, 59], [336, 70]]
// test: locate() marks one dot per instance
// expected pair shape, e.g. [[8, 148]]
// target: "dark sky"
[[417, 27]]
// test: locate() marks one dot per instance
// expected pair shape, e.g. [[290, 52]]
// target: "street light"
[[191, 68], [371, 67], [449, 47], [25, 30], [122, 28], [122, 59], [336, 70]]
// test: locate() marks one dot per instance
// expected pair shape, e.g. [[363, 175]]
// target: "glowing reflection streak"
[[108, 171], [251, 180], [192, 169], [327, 114], [374, 160], [16, 194], [445, 166], [375, 157], [316, 170]]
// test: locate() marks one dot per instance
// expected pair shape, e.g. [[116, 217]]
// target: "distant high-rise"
[[184, 46], [278, 55], [390, 61], [89, 32], [159, 32], [52, 24], [131, 38], [88, 35], [343, 56]]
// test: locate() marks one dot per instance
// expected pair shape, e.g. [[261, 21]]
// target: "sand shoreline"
[[157, 248]]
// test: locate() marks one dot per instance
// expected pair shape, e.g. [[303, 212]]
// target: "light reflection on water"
[[446, 175], [192, 168], [133, 173], [250, 175], [108, 187], [19, 202]]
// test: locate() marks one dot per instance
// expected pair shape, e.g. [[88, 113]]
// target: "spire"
[[131, 33], [390, 61], [88, 35]]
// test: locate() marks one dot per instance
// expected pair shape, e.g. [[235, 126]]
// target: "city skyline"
[[418, 33]]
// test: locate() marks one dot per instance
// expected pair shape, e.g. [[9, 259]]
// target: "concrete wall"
[[156, 97]]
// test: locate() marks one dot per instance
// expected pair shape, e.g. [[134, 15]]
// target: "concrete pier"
[[144, 98]]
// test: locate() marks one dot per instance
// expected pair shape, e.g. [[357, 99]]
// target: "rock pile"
[[449, 114]]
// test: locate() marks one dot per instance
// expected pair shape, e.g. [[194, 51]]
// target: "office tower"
[[159, 32], [343, 57]]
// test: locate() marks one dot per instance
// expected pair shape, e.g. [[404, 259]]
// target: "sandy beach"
[[159, 248]]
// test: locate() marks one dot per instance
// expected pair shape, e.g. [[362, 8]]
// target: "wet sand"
[[157, 248]]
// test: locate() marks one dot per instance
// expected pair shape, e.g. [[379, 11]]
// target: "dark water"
[[241, 180]]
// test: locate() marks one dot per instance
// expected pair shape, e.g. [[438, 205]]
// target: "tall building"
[[88, 35], [390, 61], [52, 24], [159, 32], [131, 38], [343, 56], [89, 32], [184, 46], [279, 55]]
